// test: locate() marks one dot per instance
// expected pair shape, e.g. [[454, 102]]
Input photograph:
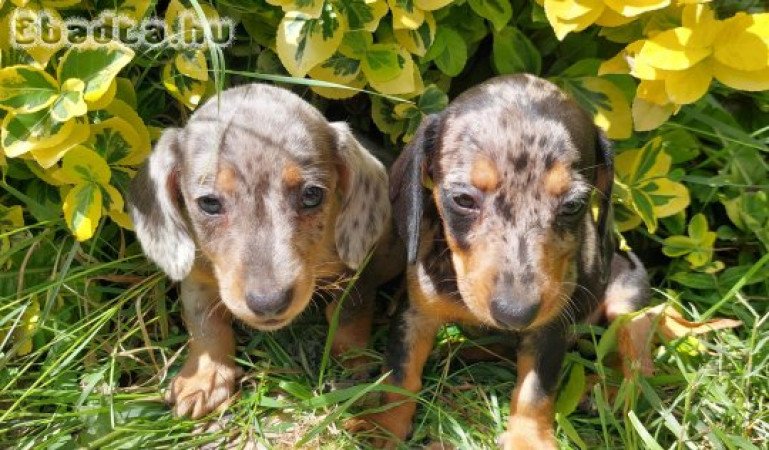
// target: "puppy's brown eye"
[[465, 201], [571, 208], [312, 196], [210, 205]]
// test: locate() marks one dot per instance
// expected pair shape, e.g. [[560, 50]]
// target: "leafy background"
[[90, 331]]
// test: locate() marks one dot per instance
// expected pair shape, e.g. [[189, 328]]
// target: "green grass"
[[109, 338]]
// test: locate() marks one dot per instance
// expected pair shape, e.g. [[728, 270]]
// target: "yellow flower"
[[568, 16], [676, 66], [410, 14]]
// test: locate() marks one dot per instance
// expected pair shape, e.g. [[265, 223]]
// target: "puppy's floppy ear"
[[604, 180], [155, 202], [407, 192], [365, 209]]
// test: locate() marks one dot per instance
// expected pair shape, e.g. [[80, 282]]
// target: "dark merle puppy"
[[492, 198]]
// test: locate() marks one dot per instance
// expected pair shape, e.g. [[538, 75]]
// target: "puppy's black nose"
[[513, 315], [268, 305]]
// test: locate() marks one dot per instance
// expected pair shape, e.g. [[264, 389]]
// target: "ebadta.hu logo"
[[34, 28]]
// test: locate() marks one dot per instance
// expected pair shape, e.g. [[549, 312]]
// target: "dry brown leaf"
[[635, 338]]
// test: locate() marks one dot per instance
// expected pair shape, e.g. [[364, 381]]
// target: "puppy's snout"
[[269, 305], [513, 315]]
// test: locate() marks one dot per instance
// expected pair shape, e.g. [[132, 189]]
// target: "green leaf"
[[498, 12], [187, 90], [746, 165], [582, 68], [41, 200], [384, 118], [644, 187], [117, 142], [71, 102], [453, 58], [381, 62], [676, 246], [463, 20], [304, 42], [355, 43], [646, 437], [26, 89], [680, 144], [81, 164], [193, 64], [82, 209], [644, 206], [357, 12], [570, 431], [513, 52], [420, 40], [24, 132], [262, 26], [698, 246], [342, 66], [698, 226], [695, 280], [438, 46], [95, 64], [432, 100], [571, 392], [732, 275], [610, 338]]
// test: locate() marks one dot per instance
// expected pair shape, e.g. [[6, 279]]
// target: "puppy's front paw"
[[201, 388], [519, 440], [381, 430]]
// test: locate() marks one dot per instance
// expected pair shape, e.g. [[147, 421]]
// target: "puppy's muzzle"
[[513, 314], [270, 304]]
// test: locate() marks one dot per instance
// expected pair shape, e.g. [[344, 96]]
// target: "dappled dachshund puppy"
[[252, 204], [492, 198]]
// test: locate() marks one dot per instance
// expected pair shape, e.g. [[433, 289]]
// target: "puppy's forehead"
[[521, 124], [256, 129]]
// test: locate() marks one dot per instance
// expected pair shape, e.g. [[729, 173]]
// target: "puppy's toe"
[[197, 393], [358, 425]]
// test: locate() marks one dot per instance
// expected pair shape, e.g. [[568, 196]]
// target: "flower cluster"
[[570, 16], [677, 66]]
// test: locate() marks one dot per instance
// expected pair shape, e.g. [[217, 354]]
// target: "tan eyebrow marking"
[[557, 179], [484, 175], [292, 175]]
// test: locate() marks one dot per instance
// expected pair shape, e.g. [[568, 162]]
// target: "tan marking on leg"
[[557, 179], [209, 375], [352, 336], [531, 414], [484, 174], [397, 421]]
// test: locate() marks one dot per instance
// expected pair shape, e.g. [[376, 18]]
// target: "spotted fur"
[[256, 150], [495, 239]]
